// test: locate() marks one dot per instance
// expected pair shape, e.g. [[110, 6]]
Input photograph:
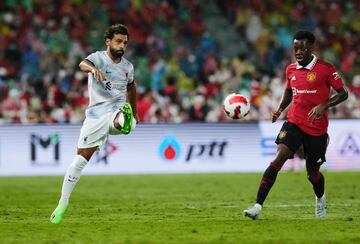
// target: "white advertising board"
[[166, 148], [160, 148]]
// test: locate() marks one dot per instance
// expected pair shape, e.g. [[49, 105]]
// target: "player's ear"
[[107, 42]]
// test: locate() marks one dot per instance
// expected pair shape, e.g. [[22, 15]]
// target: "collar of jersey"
[[310, 65]]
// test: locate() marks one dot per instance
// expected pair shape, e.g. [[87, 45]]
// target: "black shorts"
[[314, 146]]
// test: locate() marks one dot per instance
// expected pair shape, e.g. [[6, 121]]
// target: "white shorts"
[[95, 131]]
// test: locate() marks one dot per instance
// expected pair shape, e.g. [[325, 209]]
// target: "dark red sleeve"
[[287, 78], [334, 79]]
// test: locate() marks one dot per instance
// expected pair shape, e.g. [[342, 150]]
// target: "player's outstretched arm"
[[87, 66], [284, 103], [318, 111], [131, 91]]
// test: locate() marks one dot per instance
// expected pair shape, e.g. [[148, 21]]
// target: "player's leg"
[[288, 140], [74, 171], [270, 174], [268, 180], [71, 178], [123, 121], [315, 149], [93, 134]]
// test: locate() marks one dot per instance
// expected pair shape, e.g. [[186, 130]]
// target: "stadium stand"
[[187, 54]]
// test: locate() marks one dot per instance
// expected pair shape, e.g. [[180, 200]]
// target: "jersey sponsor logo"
[[297, 91], [293, 78], [118, 85], [114, 85], [108, 86], [311, 77]]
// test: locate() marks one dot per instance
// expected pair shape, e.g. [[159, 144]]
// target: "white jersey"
[[110, 94]]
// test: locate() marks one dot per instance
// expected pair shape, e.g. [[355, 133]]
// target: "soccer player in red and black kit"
[[308, 84]]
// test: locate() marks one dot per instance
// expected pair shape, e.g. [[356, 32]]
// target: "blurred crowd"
[[181, 73]]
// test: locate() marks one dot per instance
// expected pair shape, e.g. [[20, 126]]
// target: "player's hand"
[[98, 75], [316, 113], [275, 115]]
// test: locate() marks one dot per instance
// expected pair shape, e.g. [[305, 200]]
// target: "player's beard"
[[116, 53]]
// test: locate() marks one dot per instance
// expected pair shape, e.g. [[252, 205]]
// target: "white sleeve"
[[130, 76], [95, 59]]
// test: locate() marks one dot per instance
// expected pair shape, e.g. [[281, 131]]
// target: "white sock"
[[72, 176]]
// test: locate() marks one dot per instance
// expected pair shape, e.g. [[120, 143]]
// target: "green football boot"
[[128, 119], [58, 214]]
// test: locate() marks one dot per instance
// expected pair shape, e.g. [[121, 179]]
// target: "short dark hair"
[[303, 34], [116, 29]]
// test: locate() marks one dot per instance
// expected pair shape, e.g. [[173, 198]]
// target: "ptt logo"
[[209, 150], [169, 149], [348, 145]]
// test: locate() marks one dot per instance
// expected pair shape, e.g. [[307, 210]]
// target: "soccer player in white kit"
[[110, 79]]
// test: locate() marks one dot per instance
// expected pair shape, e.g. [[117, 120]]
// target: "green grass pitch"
[[192, 208]]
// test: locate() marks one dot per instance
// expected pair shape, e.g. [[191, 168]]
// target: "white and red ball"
[[236, 106]]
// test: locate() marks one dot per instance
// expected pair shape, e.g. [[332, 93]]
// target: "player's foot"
[[58, 214], [253, 212], [128, 119], [320, 207]]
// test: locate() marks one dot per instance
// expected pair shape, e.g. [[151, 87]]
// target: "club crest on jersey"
[[311, 77], [282, 134], [336, 75]]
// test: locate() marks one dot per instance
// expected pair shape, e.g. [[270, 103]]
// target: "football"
[[236, 106]]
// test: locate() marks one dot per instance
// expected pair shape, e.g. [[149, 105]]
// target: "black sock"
[[318, 182], [267, 182]]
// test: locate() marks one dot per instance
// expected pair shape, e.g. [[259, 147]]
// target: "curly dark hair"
[[116, 29]]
